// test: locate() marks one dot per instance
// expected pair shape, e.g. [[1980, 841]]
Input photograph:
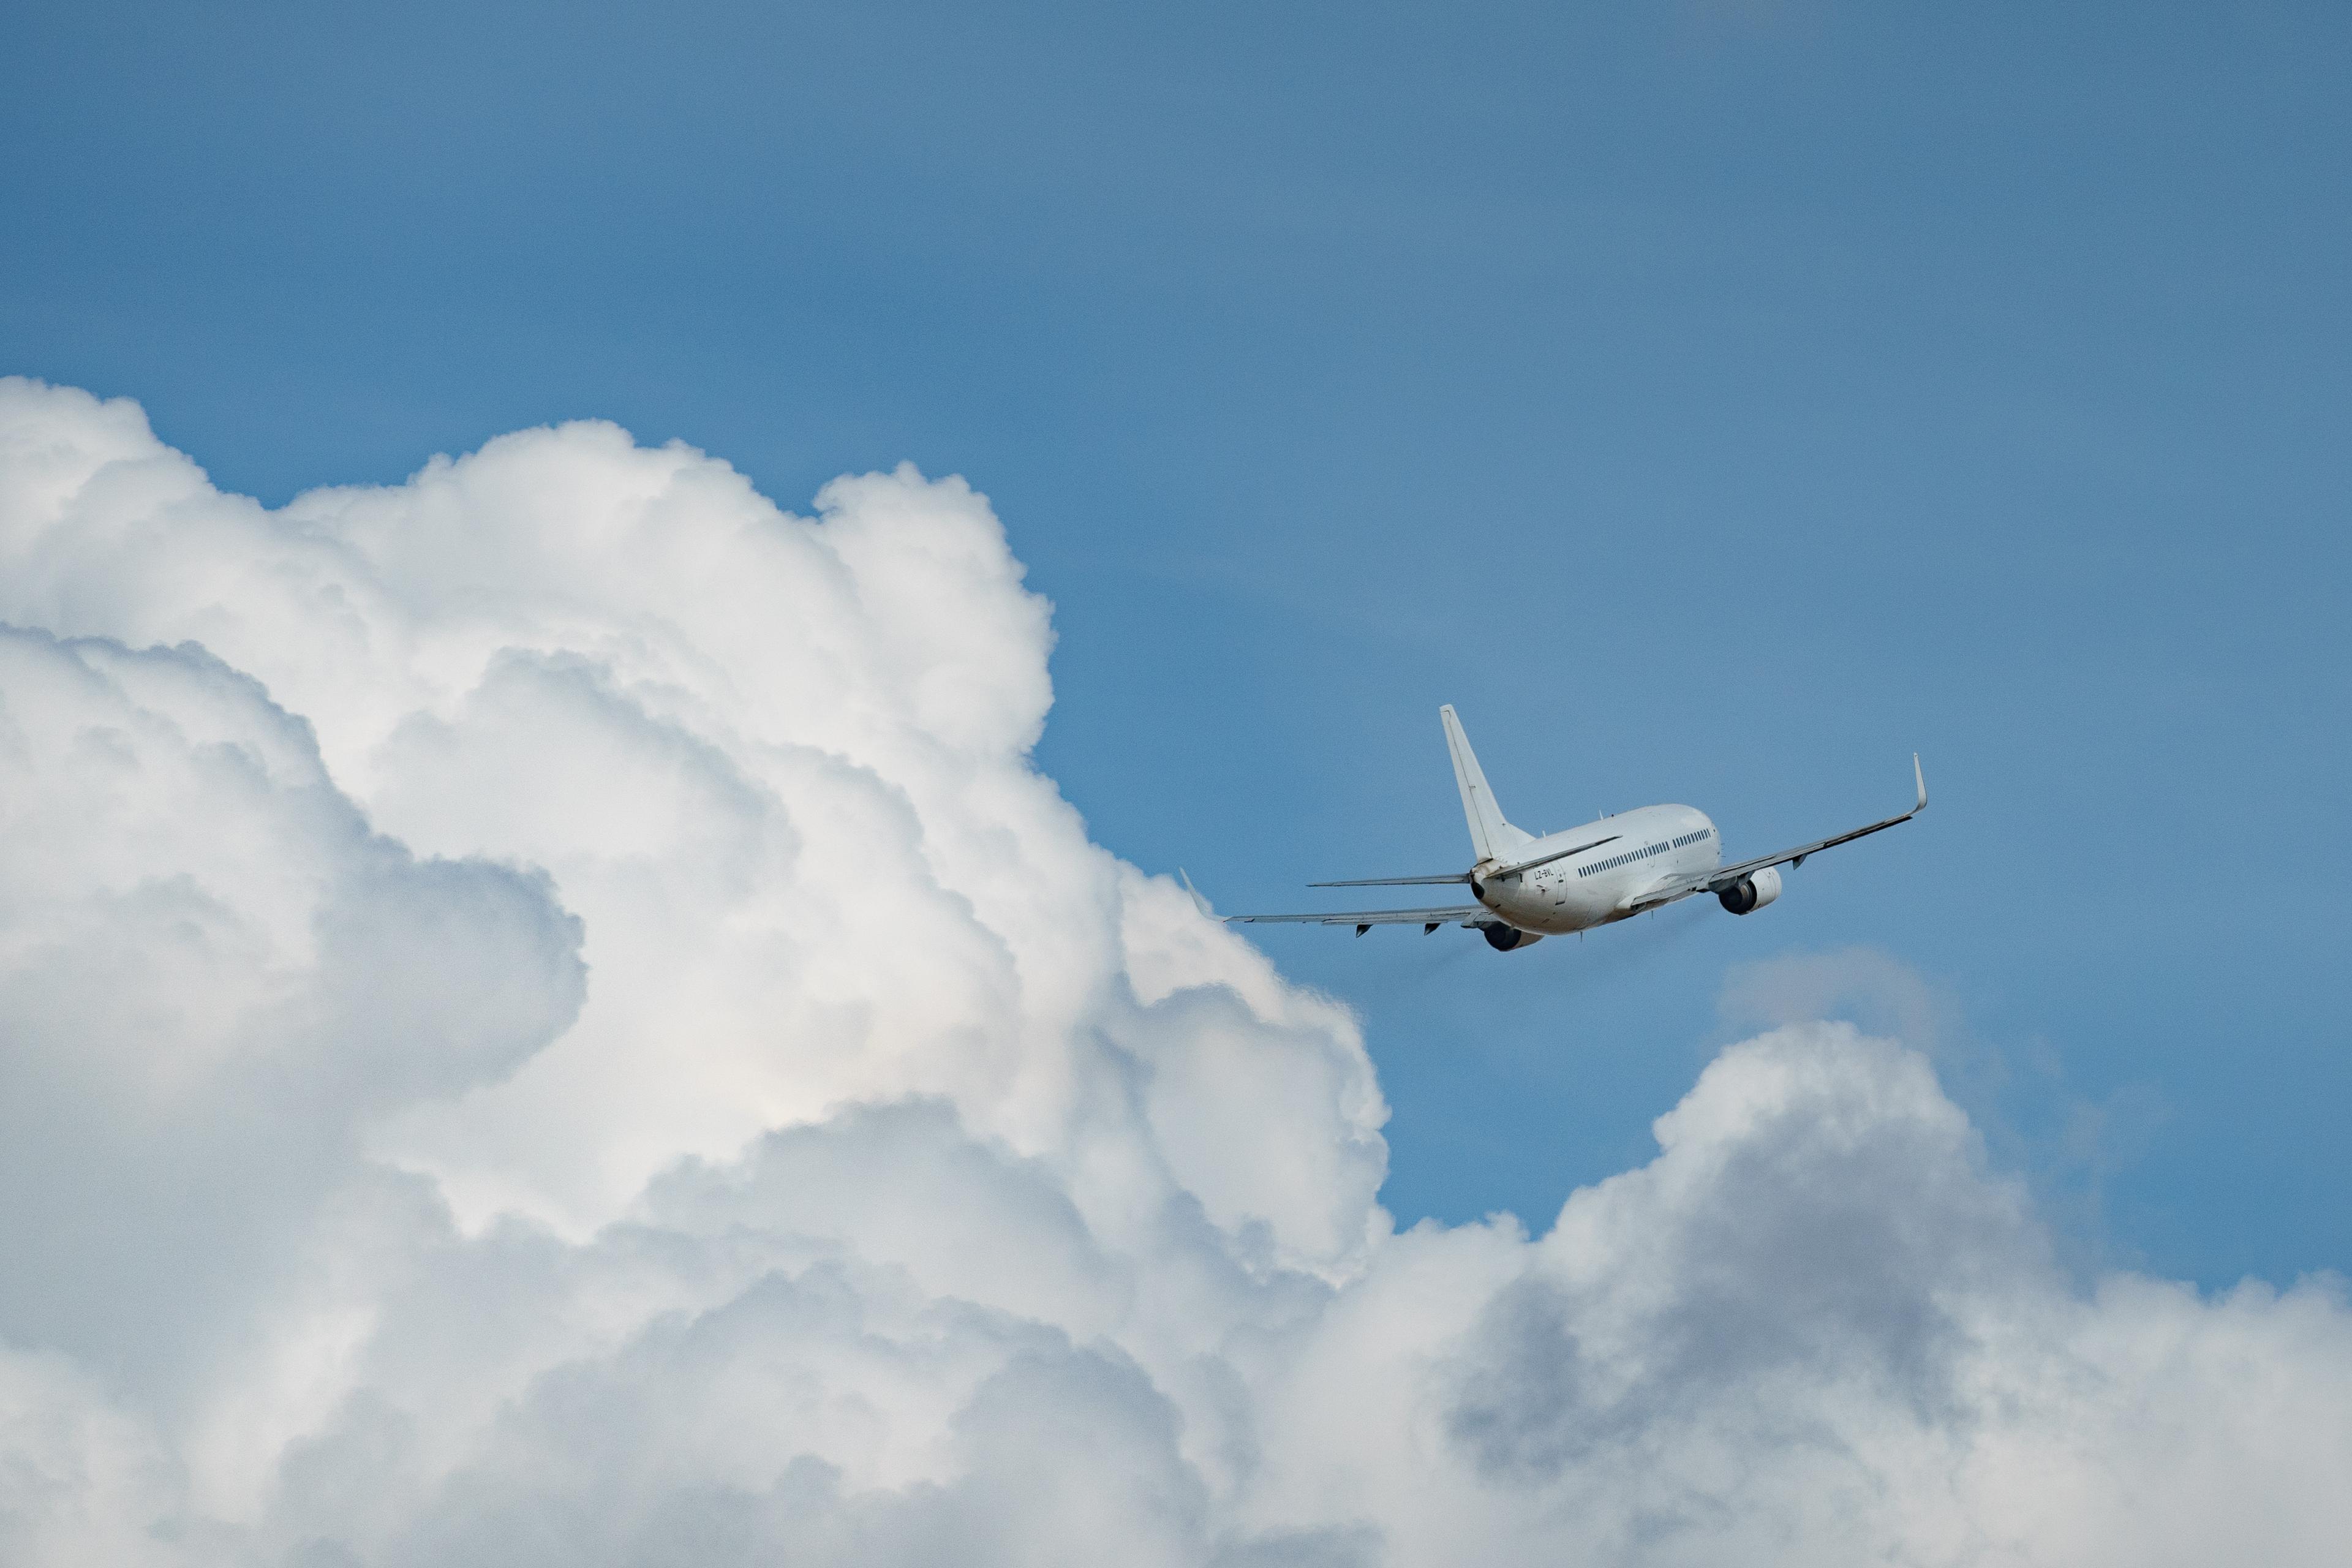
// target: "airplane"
[[1610, 869]]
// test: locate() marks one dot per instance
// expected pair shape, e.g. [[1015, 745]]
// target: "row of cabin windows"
[[1615, 861]]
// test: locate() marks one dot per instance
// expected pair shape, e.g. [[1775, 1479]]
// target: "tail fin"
[[1493, 837]]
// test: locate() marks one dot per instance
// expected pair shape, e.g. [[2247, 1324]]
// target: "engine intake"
[[1752, 892], [1507, 938]]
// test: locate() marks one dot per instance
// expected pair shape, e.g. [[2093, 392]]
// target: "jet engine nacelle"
[[1752, 892], [1507, 939]]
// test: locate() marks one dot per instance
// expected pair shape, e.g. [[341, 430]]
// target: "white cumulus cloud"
[[546, 1015]]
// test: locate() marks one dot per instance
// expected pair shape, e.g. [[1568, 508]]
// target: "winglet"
[[1921, 780], [1199, 902]]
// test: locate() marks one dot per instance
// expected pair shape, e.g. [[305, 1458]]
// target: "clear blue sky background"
[[1716, 402]]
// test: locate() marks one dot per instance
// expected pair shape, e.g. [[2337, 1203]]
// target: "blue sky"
[[1714, 402]]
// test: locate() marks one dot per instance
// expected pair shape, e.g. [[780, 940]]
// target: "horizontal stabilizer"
[[1517, 867], [1396, 882]]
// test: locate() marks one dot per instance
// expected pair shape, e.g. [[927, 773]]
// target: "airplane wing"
[[1723, 877], [1364, 920]]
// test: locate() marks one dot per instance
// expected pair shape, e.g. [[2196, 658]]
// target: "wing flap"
[[1660, 894]]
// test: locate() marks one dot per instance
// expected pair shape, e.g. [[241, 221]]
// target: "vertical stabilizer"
[[1493, 837]]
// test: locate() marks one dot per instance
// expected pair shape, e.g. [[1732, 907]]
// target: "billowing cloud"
[[549, 1017]]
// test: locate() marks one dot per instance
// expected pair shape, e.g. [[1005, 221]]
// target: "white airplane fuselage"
[[1529, 887], [1645, 848]]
